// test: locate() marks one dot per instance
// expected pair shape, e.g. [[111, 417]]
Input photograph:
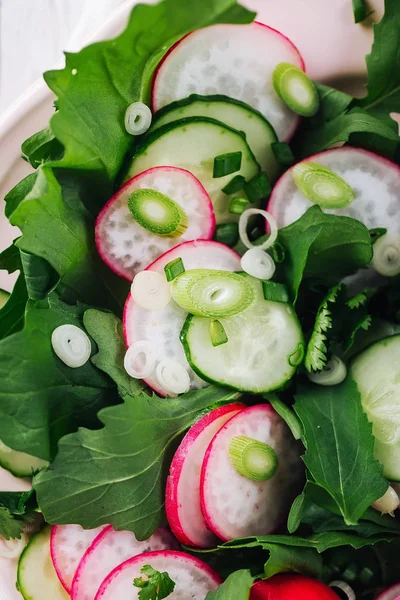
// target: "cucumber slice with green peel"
[[192, 144], [236, 114], [376, 372], [19, 463], [256, 357], [4, 296], [36, 577]]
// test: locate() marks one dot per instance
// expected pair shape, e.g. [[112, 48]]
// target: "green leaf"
[[17, 503], [285, 558], [16, 508], [41, 147], [317, 348], [12, 313], [322, 247], [237, 586], [154, 585], [296, 513], [340, 446], [360, 10], [287, 415], [39, 276], [10, 259], [41, 399], [120, 470], [332, 103], [106, 330], [10, 527]]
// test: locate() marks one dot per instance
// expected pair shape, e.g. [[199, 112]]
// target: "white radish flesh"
[[374, 180], [110, 549], [182, 496], [235, 60], [68, 544], [193, 578], [162, 327], [235, 506], [128, 248]]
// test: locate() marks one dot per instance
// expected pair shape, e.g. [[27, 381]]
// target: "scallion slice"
[[386, 259], [252, 459], [174, 268], [212, 293], [150, 290], [257, 263], [138, 118], [273, 228], [140, 360], [238, 205], [157, 213], [334, 373], [217, 333], [72, 345], [258, 188], [235, 185], [322, 186], [275, 292], [283, 153], [227, 233], [225, 164], [296, 89]]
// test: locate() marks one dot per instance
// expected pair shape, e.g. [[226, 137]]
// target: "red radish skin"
[[193, 578], [391, 593], [162, 327], [125, 246], [290, 586], [248, 49], [110, 549], [235, 506], [182, 496], [68, 544], [374, 179]]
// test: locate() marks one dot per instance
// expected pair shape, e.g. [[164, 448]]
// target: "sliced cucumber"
[[376, 372], [192, 144], [4, 296], [258, 131], [19, 463], [37, 579], [256, 357]]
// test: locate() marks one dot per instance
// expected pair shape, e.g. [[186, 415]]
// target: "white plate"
[[333, 48]]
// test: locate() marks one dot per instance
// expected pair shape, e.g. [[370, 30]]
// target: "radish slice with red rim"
[[192, 577], [125, 246], [235, 506], [110, 549], [235, 60], [68, 544], [374, 180], [162, 327], [391, 593], [182, 496]]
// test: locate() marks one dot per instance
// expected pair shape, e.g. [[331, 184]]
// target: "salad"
[[199, 361]]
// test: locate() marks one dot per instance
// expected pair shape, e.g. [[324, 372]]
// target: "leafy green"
[[316, 352], [332, 103], [10, 527], [287, 415], [154, 585], [237, 585], [41, 147], [120, 470], [106, 330], [286, 558], [39, 276], [15, 511], [10, 259], [12, 311], [322, 247], [339, 443], [296, 512], [360, 10], [41, 399]]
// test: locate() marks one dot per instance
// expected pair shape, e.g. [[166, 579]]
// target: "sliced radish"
[[235, 506], [110, 549], [235, 60], [182, 496], [162, 327], [193, 578], [391, 593], [68, 544], [125, 246], [375, 181], [285, 586]]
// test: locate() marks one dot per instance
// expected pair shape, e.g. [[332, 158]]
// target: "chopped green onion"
[[386, 258], [212, 293], [157, 213], [227, 233], [238, 205], [376, 233], [334, 373], [252, 459], [258, 188], [138, 118], [235, 185], [350, 573], [366, 574], [283, 153], [72, 345], [296, 357], [275, 292], [277, 252], [321, 185], [345, 590], [217, 333], [360, 10], [243, 222], [258, 264], [174, 268], [225, 164], [296, 89]]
